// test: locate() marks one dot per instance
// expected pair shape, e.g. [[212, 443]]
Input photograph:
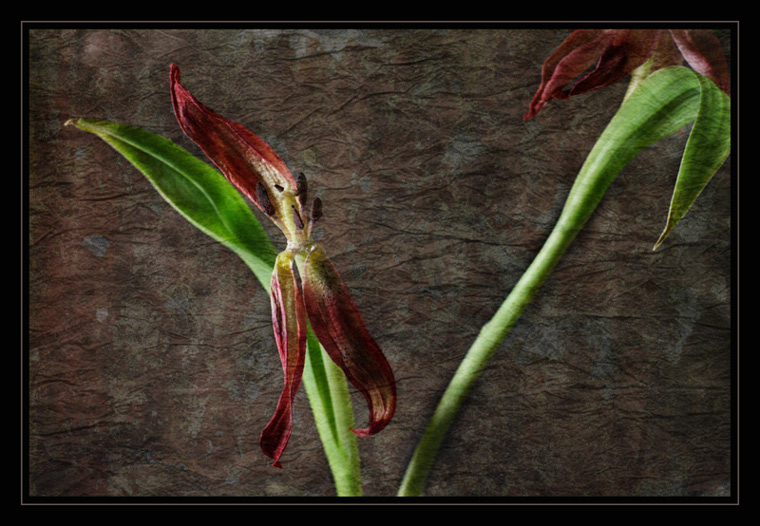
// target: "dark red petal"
[[704, 52], [289, 321], [574, 56], [618, 53], [340, 329], [625, 51], [243, 158], [666, 52]]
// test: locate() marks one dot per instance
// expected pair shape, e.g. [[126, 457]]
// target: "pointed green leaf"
[[665, 102], [205, 198], [195, 189], [707, 148]]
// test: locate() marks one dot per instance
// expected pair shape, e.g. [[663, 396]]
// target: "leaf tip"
[[661, 238]]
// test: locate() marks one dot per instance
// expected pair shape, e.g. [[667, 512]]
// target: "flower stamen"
[[264, 201], [297, 218]]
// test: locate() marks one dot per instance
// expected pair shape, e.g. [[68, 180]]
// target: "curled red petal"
[[243, 157], [616, 53], [574, 56], [704, 52], [625, 51], [289, 322], [340, 329], [666, 53]]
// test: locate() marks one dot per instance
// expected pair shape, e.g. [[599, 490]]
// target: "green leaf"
[[707, 148], [211, 203], [665, 102], [195, 189]]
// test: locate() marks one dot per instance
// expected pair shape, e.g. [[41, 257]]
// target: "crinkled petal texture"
[[617, 53], [704, 52], [289, 321], [622, 52], [243, 157], [340, 329]]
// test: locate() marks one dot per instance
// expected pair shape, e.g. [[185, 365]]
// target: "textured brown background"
[[152, 365]]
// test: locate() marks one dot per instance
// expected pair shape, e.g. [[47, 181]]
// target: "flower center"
[[287, 209]]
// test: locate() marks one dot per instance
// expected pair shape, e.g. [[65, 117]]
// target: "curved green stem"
[[662, 104], [330, 402], [481, 351]]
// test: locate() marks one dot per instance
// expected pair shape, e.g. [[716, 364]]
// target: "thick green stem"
[[659, 106], [481, 351], [330, 401], [593, 180], [589, 187]]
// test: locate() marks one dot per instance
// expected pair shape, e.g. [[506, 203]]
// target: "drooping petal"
[[574, 56], [666, 53], [244, 158], [704, 52], [289, 321], [340, 329], [617, 53], [624, 51]]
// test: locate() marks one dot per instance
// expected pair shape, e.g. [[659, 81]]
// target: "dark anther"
[[301, 188], [297, 219], [279, 188], [264, 202], [316, 209]]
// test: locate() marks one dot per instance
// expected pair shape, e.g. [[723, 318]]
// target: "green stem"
[[590, 185], [329, 397], [481, 351], [328, 394], [659, 106]]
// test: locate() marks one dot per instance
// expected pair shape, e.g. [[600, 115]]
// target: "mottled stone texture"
[[152, 364]]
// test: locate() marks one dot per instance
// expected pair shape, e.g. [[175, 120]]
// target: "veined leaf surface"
[[195, 189]]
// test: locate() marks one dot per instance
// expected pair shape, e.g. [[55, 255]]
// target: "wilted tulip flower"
[[320, 295], [618, 52]]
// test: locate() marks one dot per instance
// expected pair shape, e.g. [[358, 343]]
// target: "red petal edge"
[[240, 155], [625, 51], [289, 322], [336, 321], [617, 53], [704, 52], [569, 60]]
